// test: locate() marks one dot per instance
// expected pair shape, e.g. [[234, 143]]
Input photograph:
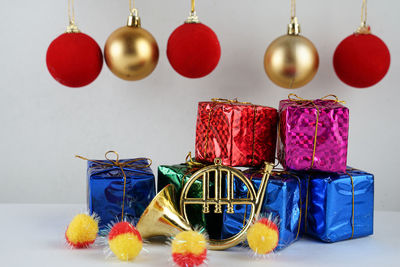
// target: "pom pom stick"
[[125, 241], [263, 236], [82, 231], [189, 249]]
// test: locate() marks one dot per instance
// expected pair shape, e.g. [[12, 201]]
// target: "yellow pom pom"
[[189, 241], [189, 248], [82, 231], [125, 241], [263, 236]]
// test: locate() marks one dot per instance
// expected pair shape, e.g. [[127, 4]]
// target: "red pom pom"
[[361, 60], [74, 59], [123, 228], [269, 223], [193, 50], [189, 259]]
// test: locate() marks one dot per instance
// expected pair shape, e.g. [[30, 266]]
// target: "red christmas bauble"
[[74, 59], [361, 60], [193, 50]]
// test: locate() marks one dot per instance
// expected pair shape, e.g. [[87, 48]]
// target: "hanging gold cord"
[[364, 13], [133, 19], [293, 9], [131, 5], [293, 27], [364, 28], [192, 17], [71, 12], [193, 6], [71, 18]]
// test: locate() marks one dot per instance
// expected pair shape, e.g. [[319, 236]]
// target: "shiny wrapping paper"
[[106, 187], [330, 204], [297, 132], [283, 201], [178, 175], [240, 134]]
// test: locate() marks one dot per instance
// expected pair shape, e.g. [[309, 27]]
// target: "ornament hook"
[[294, 26], [364, 28], [133, 19], [192, 17], [218, 161], [72, 28], [131, 5]]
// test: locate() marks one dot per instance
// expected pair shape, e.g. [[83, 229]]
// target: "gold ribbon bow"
[[229, 101], [121, 165], [217, 101], [189, 161], [295, 98]]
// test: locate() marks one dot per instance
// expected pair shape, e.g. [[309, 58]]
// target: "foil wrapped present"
[[240, 133], [178, 175], [283, 200], [313, 134], [114, 197], [340, 206]]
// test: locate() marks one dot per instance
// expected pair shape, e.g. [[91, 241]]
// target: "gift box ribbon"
[[307, 102], [193, 166], [121, 165], [352, 202], [216, 102]]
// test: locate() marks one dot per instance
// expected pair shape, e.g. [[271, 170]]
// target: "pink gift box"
[[305, 144]]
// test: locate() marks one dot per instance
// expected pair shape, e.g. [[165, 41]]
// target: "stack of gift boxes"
[[314, 193]]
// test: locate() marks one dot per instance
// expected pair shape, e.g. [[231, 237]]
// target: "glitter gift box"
[[240, 133], [339, 206], [110, 195], [313, 134], [283, 200]]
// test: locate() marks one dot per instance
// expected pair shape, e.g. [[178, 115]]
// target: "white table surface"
[[33, 235]]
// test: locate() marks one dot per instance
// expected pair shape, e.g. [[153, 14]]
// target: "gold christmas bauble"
[[131, 53], [291, 61]]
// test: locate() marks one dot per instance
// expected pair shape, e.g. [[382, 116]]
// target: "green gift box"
[[178, 175]]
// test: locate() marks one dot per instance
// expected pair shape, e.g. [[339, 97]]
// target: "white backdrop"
[[43, 124]]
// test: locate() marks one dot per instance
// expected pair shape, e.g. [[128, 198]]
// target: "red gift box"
[[240, 133]]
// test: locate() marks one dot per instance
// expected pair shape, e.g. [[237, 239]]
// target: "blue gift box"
[[340, 206], [282, 201], [106, 189]]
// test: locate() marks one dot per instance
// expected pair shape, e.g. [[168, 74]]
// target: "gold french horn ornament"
[[131, 52], [162, 216]]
